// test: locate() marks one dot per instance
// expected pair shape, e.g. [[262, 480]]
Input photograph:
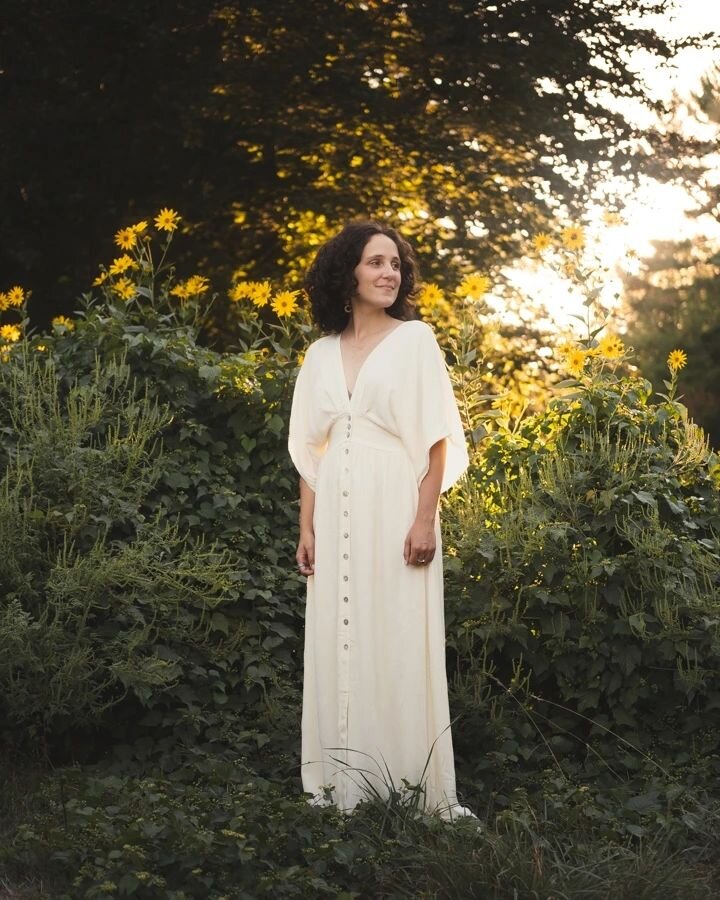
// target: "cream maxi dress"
[[375, 700]]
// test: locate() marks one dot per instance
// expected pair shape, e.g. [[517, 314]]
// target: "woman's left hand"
[[419, 548]]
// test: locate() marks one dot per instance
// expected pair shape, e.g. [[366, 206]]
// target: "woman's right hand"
[[305, 554]]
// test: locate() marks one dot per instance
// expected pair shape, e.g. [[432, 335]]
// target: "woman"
[[375, 435]]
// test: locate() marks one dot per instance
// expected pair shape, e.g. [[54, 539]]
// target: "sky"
[[655, 212]]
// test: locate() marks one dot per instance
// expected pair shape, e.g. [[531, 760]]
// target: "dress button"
[[345, 493], [346, 577], [346, 534], [347, 450], [346, 599], [345, 621], [345, 556], [346, 646], [345, 513]]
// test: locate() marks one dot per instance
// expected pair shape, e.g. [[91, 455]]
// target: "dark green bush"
[[99, 600], [587, 621], [150, 587]]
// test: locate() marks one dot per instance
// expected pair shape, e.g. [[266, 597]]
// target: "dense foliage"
[[149, 584], [588, 582], [151, 623]]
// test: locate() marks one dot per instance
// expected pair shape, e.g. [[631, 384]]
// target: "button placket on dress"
[[344, 642]]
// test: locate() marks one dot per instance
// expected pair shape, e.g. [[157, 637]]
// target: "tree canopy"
[[675, 301], [268, 125], [675, 304]]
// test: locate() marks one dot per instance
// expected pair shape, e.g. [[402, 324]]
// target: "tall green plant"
[[588, 575], [89, 583]]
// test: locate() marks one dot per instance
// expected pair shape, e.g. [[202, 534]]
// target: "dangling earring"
[[348, 307]]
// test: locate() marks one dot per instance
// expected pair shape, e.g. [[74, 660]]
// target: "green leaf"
[[645, 497], [644, 803], [219, 622], [209, 373]]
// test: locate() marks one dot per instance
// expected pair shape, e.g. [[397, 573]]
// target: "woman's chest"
[[360, 382]]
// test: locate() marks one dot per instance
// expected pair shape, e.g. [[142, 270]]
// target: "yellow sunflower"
[[122, 264], [285, 303], [575, 361], [124, 288], [611, 218], [64, 322], [126, 238], [261, 291], [431, 296], [197, 284], [541, 241], [167, 220], [677, 360], [4, 302], [573, 237], [180, 290], [610, 347], [139, 227], [15, 296], [101, 279], [241, 291], [10, 333], [474, 286]]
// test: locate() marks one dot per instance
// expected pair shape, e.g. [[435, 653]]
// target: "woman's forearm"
[[431, 483], [307, 505]]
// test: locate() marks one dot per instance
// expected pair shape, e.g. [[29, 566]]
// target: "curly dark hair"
[[330, 282]]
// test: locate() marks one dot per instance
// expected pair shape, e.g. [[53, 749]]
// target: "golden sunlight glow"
[[652, 212]]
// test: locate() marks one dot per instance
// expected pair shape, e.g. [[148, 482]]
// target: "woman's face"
[[378, 272]]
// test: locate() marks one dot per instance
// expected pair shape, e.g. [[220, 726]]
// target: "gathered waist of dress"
[[361, 430]]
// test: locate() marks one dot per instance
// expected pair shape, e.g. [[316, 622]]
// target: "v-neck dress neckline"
[[348, 395]]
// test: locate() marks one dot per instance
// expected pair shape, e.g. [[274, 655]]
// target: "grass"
[[521, 855], [17, 804]]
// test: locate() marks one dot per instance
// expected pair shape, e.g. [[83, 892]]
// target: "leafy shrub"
[[586, 626], [224, 478], [90, 583], [170, 487]]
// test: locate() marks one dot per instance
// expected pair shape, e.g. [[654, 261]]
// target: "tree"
[[675, 303], [268, 125]]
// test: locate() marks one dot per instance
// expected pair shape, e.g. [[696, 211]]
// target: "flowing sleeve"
[[304, 445], [426, 410]]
